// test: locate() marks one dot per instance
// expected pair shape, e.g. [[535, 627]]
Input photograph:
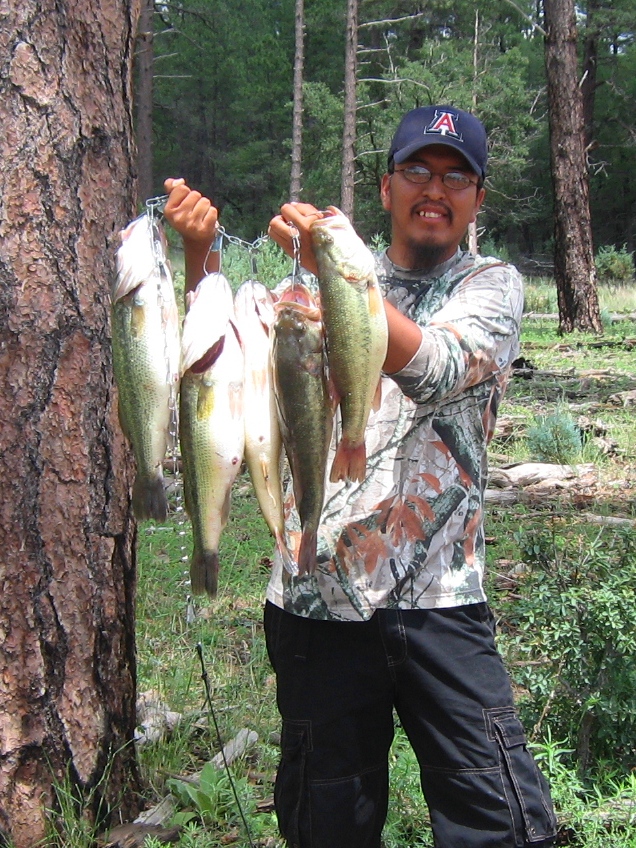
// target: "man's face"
[[429, 220]]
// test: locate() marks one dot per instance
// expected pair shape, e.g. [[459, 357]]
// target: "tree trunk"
[[144, 60], [297, 119], [589, 82], [473, 241], [350, 93], [67, 570], [573, 251]]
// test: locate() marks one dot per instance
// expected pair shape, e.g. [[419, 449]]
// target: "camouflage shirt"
[[411, 535]]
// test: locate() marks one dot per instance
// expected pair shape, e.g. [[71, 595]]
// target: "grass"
[[615, 298], [594, 811]]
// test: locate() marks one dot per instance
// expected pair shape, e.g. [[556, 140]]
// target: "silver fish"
[[304, 408], [211, 425], [145, 341], [356, 330], [254, 308]]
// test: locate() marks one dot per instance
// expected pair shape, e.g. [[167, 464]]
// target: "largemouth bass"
[[145, 331], [211, 426], [254, 308], [304, 408], [356, 330]]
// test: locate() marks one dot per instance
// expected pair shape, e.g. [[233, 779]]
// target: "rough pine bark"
[[573, 251], [67, 561]]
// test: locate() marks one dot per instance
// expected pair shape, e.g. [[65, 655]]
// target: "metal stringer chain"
[[154, 210]]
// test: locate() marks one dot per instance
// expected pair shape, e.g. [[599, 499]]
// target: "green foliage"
[[554, 438], [268, 263], [614, 265], [322, 145], [78, 814], [223, 91], [595, 818], [407, 821], [540, 296], [210, 798], [571, 641], [488, 247]]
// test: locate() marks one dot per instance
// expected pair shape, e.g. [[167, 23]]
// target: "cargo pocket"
[[290, 789], [530, 795]]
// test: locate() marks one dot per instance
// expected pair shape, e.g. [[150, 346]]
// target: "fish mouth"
[[322, 228], [299, 298]]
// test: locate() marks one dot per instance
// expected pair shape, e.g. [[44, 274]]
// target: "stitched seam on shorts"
[[437, 770], [491, 715]]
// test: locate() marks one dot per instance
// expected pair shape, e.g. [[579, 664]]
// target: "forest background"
[[222, 106]]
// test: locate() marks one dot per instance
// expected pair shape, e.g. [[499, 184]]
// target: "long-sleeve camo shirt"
[[411, 534]]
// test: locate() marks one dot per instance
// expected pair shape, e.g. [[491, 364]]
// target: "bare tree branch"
[[534, 24]]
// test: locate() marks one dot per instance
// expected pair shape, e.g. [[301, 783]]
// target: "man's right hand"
[[196, 220], [296, 218], [190, 213]]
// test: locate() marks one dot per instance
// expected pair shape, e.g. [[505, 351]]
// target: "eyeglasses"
[[421, 175]]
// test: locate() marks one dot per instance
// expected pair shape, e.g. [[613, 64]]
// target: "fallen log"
[[530, 473]]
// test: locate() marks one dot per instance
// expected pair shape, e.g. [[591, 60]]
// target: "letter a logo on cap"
[[444, 124]]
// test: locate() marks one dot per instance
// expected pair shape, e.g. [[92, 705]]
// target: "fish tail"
[[307, 552], [204, 572], [149, 498], [288, 561], [349, 463]]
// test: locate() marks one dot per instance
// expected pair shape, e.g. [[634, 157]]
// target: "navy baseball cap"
[[441, 125]]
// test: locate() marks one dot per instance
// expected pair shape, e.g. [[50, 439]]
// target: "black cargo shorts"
[[338, 684]]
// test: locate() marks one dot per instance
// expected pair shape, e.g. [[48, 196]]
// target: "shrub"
[[614, 265], [570, 642], [489, 247], [554, 438]]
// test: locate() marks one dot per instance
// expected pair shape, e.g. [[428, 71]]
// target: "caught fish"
[[211, 427], [304, 408], [145, 331], [356, 330], [254, 308]]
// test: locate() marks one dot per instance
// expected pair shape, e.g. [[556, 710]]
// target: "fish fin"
[[333, 395], [377, 397], [307, 552], [376, 301], [289, 563], [149, 498], [204, 572], [349, 463], [122, 421]]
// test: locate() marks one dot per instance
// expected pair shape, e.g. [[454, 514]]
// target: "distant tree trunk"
[[143, 96], [297, 120], [589, 82], [473, 242], [573, 250], [350, 94], [67, 568]]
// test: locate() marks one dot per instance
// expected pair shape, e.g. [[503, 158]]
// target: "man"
[[395, 616]]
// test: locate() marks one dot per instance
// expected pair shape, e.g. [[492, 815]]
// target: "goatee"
[[424, 257]]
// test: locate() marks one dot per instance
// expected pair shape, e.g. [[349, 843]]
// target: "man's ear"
[[385, 192], [478, 201]]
